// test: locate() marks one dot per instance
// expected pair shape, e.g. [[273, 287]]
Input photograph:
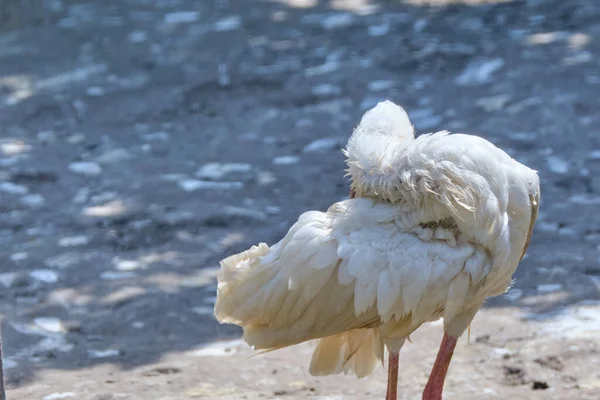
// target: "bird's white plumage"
[[441, 223]]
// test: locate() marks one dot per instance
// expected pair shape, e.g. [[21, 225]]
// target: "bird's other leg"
[[392, 385], [453, 329], [433, 389]]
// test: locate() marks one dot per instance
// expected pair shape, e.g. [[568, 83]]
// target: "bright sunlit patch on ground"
[[547, 297], [19, 86], [578, 321], [299, 3], [110, 209], [356, 6], [13, 147], [575, 41], [218, 349]]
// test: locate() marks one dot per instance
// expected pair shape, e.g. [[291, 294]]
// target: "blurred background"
[[141, 141]]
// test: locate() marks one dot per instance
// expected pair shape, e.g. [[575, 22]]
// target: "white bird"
[[436, 224]]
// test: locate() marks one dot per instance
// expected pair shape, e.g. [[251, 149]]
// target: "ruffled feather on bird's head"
[[374, 148]]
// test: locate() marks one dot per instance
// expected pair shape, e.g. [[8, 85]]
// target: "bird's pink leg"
[[433, 389], [392, 384]]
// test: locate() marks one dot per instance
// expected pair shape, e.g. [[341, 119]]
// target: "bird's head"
[[374, 144], [462, 177]]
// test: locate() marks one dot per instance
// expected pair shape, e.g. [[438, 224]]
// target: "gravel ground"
[[142, 141]]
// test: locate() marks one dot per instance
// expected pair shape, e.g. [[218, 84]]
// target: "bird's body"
[[438, 224]]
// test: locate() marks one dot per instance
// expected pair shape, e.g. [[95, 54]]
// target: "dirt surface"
[[112, 224]]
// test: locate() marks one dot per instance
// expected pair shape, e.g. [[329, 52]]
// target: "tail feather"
[[356, 351]]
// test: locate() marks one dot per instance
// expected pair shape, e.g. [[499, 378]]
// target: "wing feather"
[[338, 271]]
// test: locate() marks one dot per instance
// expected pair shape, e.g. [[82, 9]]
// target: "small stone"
[[326, 68], [181, 17], [527, 137], [58, 396], [81, 196], [14, 147], [33, 200], [114, 156], [76, 138], [226, 348], [503, 352], [73, 241], [264, 178], [272, 210], [173, 177], [86, 168], [567, 232], [479, 71], [245, 213], [128, 265], [286, 160], [105, 198], [191, 185], [305, 123], [217, 170], [322, 145], [557, 165], [156, 136], [44, 275], [548, 227], [64, 260], [95, 91], [46, 137], [228, 24], [494, 103], [103, 353], [581, 57], [326, 89], [116, 275], [420, 25], [337, 21], [10, 161], [50, 324], [18, 257], [549, 287], [378, 30], [7, 279], [212, 392], [204, 310], [381, 85], [585, 199], [138, 36], [13, 188]]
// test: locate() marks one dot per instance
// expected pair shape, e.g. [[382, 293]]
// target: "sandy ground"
[[143, 141]]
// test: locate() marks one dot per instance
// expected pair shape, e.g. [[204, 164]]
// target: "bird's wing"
[[354, 266]]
